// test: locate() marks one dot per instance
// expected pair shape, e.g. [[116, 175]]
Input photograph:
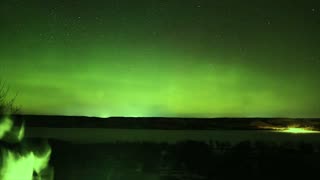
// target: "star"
[[267, 21]]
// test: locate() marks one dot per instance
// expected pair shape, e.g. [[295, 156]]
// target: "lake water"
[[102, 135], [92, 153]]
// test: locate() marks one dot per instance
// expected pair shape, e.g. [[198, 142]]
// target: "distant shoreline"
[[165, 123]]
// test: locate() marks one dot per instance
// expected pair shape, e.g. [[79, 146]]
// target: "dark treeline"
[[185, 160]]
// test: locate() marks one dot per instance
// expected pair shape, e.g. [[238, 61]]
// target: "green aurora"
[[162, 58]]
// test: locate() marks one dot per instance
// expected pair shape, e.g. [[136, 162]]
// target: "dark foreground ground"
[[186, 160], [176, 148]]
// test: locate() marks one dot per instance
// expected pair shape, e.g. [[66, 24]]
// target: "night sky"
[[182, 58]]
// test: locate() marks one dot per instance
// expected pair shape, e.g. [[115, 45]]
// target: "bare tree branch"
[[7, 104]]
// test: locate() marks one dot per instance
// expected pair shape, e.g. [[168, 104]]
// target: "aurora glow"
[[189, 58]]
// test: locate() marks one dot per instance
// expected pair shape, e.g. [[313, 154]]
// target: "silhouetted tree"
[[7, 104]]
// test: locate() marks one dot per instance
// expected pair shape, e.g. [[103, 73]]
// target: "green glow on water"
[[297, 130]]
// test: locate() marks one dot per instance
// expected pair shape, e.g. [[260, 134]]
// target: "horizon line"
[[169, 117]]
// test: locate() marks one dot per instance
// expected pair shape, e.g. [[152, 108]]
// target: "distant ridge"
[[174, 123]]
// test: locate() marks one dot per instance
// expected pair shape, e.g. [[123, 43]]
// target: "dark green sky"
[[195, 58]]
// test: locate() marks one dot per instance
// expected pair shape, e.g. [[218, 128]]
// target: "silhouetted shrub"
[[7, 105]]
